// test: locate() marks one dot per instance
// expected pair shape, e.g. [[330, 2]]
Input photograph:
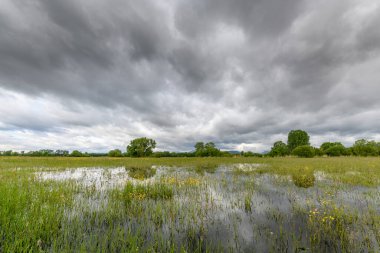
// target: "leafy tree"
[[7, 153], [199, 148], [211, 150], [334, 149], [279, 149], [141, 147], [207, 149], [297, 138], [76, 153], [318, 152], [61, 153], [46, 152], [249, 154], [304, 151], [365, 148], [115, 153], [326, 145]]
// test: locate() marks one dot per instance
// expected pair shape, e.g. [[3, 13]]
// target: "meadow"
[[100, 204]]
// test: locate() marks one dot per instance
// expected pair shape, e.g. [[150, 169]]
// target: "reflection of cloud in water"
[[101, 178]]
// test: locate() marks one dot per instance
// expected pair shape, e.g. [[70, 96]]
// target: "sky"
[[93, 74]]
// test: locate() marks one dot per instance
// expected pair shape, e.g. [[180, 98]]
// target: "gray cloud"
[[240, 73]]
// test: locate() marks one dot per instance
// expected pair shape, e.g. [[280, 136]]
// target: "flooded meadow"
[[237, 207]]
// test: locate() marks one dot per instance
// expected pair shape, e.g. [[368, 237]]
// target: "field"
[[189, 204]]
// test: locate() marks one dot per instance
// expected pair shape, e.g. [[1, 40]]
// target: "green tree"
[[279, 149], [304, 151], [334, 149], [76, 153], [208, 149], [365, 148], [297, 138], [326, 145], [115, 153], [199, 149], [141, 147], [211, 150]]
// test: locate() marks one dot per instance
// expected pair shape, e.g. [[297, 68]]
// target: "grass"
[[156, 191], [141, 173], [348, 170], [304, 178], [195, 207]]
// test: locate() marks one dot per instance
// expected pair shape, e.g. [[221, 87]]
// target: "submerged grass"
[[155, 191], [347, 170], [31, 213], [141, 173], [304, 178], [205, 208]]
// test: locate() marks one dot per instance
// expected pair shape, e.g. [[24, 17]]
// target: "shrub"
[[304, 178], [150, 191], [279, 149], [365, 148], [304, 151], [336, 150], [115, 153], [141, 173], [76, 153]]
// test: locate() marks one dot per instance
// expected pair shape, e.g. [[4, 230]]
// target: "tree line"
[[298, 144]]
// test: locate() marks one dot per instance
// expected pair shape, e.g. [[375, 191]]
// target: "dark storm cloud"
[[229, 71]]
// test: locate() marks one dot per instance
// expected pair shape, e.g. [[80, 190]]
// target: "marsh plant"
[[257, 208], [206, 168], [155, 191], [141, 173], [304, 178]]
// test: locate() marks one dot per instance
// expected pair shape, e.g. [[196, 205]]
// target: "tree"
[[76, 153], [318, 151], [297, 138], [199, 149], [279, 149], [207, 149], [115, 153], [61, 152], [326, 145], [141, 147], [333, 149], [365, 148], [211, 150], [304, 151]]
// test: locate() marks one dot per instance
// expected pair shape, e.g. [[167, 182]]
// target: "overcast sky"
[[94, 74]]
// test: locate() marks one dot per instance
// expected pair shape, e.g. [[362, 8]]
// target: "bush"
[[304, 178], [318, 152], [76, 153], [115, 153], [365, 148], [336, 150], [279, 149], [154, 191], [304, 151], [141, 173]]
